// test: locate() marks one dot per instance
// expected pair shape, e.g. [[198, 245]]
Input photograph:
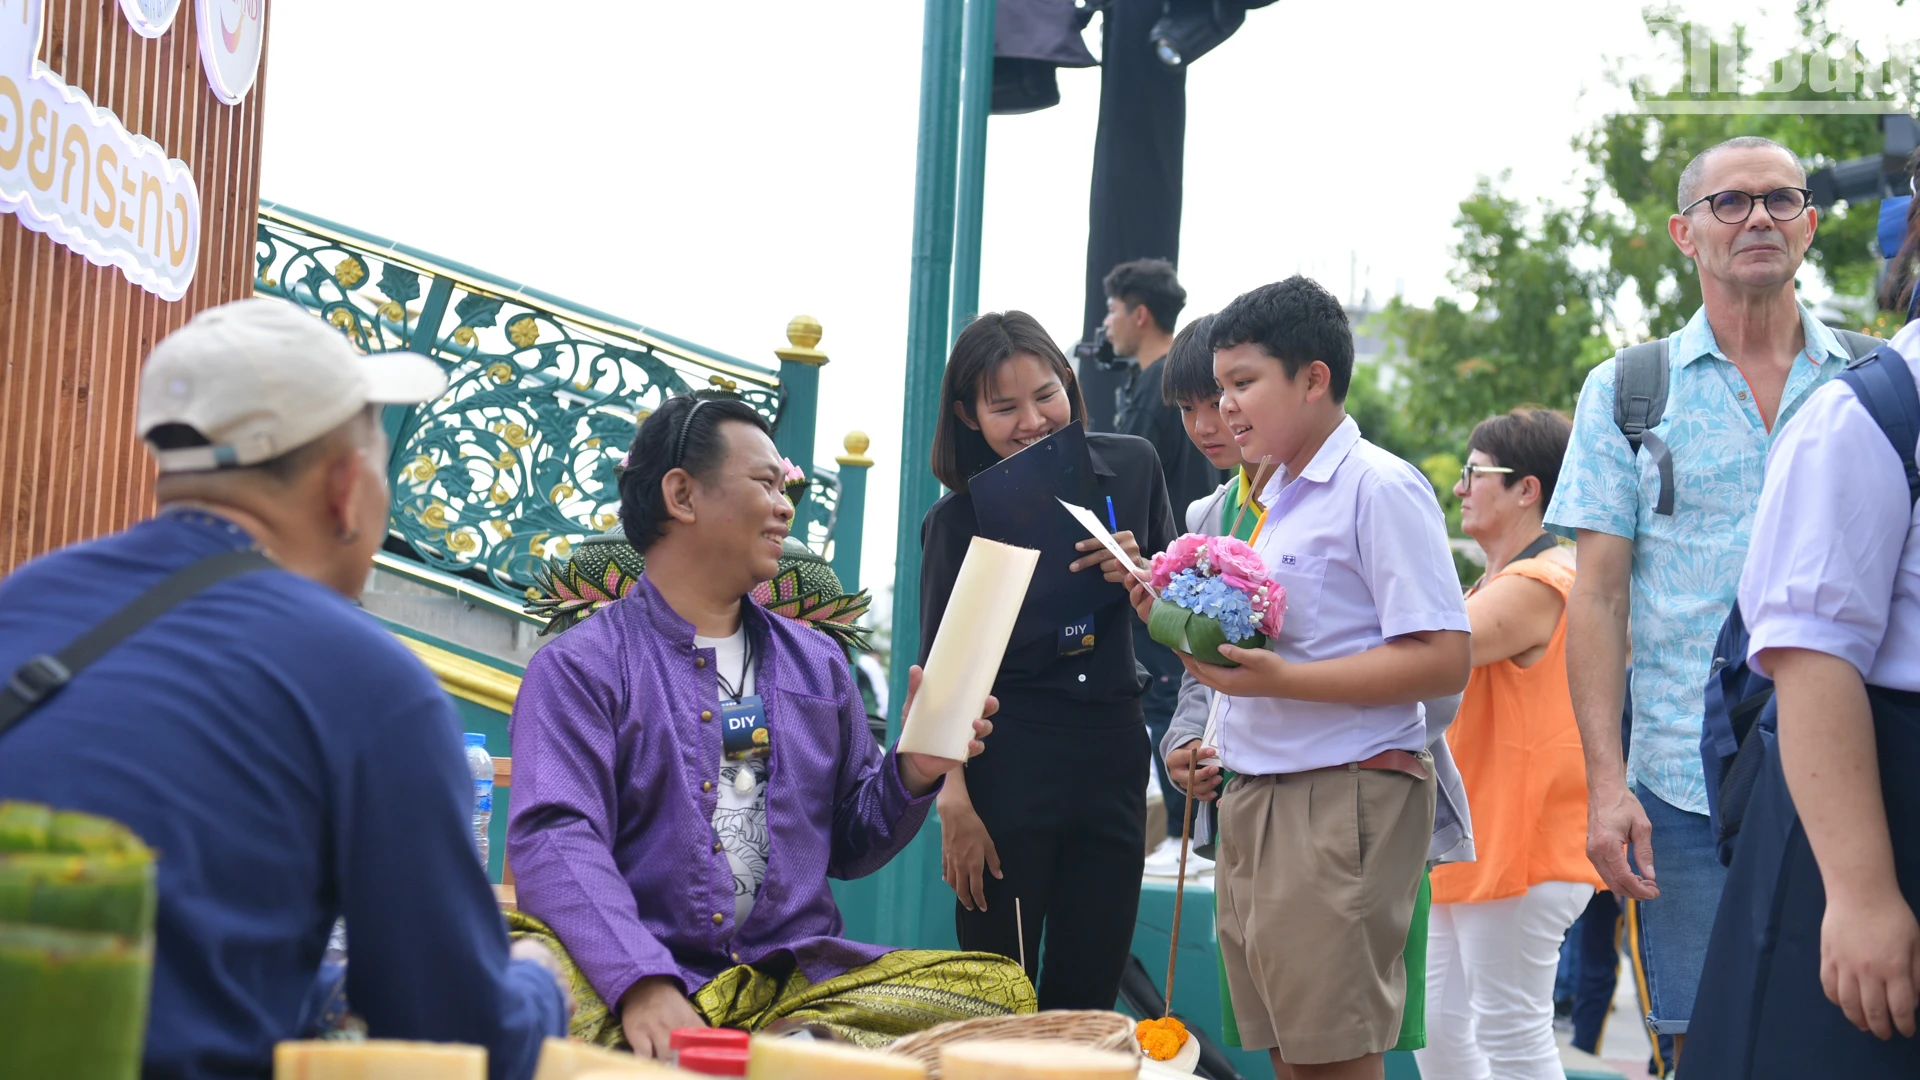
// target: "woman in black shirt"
[[1054, 812]]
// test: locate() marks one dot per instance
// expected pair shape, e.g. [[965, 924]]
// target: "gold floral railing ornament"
[[515, 463]]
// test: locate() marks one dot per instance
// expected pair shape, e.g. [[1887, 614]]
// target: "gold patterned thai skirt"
[[871, 1005]]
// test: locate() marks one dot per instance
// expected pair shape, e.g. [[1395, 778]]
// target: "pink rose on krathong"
[[1180, 555], [1276, 613], [1238, 563], [791, 472]]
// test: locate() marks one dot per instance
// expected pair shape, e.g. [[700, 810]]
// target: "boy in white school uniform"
[[1813, 967], [1314, 907]]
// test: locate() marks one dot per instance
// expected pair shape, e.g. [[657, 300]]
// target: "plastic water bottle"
[[480, 767]]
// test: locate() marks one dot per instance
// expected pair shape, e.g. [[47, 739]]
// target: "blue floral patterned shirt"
[[1686, 567]]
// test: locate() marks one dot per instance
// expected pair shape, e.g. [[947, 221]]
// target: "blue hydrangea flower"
[[1214, 598]]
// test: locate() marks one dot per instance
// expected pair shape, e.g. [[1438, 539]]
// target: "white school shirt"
[[1361, 546], [1832, 565]]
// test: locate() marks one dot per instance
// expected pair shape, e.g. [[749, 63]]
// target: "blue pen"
[[1112, 522]]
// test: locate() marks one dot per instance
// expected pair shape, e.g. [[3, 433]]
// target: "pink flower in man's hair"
[[1180, 555], [1275, 614], [624, 457]]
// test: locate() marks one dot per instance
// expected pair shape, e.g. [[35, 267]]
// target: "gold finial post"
[[803, 333], [856, 444], [854, 465]]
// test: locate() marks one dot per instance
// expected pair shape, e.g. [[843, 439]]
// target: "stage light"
[[1189, 29]]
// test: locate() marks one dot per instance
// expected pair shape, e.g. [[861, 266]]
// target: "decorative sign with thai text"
[[231, 35], [150, 18], [73, 171]]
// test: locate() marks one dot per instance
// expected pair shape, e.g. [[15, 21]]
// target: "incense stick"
[[1253, 485], [1020, 934], [1180, 887]]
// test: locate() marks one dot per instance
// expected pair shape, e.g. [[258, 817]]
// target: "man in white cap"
[[286, 757]]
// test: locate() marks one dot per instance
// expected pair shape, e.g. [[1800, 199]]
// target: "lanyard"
[[733, 691]]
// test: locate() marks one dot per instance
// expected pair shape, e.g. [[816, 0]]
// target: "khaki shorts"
[[1316, 885]]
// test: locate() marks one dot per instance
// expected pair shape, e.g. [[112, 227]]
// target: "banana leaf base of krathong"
[[77, 902], [73, 1003], [1199, 636]]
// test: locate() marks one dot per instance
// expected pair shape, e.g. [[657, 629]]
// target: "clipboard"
[[1016, 501]]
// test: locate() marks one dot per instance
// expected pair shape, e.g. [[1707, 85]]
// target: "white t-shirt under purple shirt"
[[740, 817]]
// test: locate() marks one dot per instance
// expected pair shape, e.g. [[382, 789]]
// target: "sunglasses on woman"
[[1467, 471]]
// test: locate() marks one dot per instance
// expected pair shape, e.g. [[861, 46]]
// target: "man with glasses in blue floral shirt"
[[1662, 532]]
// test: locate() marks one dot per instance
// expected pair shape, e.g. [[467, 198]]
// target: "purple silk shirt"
[[616, 752]]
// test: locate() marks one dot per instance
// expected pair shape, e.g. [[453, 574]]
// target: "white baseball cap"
[[259, 377]]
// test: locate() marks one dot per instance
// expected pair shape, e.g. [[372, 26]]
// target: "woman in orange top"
[[1496, 924]]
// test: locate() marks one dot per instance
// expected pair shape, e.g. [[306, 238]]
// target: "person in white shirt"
[[1315, 907], [1813, 967]]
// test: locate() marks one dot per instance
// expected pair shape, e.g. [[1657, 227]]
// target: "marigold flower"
[[1161, 1039]]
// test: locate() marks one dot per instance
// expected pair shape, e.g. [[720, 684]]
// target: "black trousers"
[[1761, 1013], [1163, 695], [1064, 799]]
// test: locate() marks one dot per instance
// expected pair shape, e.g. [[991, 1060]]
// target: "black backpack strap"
[[1858, 345], [1541, 546], [43, 676], [1884, 385], [1639, 401]]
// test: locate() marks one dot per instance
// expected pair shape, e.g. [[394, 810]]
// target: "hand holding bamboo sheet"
[[967, 650]]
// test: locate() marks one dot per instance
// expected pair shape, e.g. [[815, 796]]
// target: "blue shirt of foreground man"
[[286, 757], [683, 868]]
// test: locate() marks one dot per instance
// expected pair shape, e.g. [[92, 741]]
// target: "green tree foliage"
[[1638, 156], [1539, 284], [1529, 335]]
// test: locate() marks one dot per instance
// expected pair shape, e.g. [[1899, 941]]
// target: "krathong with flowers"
[[1213, 591]]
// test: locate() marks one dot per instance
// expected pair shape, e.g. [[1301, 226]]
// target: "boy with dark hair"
[[1314, 910], [1144, 298]]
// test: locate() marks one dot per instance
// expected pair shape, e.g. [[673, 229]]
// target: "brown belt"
[[1400, 761], [1397, 760]]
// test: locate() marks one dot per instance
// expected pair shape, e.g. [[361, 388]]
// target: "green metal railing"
[[516, 462]]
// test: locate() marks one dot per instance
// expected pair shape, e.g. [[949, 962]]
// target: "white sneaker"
[[1165, 861]]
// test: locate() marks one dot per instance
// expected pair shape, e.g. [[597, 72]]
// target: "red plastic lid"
[[715, 1060], [729, 1038]]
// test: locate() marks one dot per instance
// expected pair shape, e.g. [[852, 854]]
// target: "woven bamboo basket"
[[1097, 1028]]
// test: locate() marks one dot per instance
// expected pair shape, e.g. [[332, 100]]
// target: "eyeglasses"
[[1467, 471], [1735, 207]]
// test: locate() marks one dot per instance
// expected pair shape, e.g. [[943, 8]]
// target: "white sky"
[[712, 169]]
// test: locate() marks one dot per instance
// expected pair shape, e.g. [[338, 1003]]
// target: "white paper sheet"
[[1210, 738], [967, 651], [1099, 532]]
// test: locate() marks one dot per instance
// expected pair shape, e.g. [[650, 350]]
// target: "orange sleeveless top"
[[1518, 751]]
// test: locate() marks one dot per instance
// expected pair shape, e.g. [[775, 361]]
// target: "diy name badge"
[[1076, 637], [73, 171], [743, 729]]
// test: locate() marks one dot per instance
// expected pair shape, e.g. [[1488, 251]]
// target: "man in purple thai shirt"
[[690, 770]]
